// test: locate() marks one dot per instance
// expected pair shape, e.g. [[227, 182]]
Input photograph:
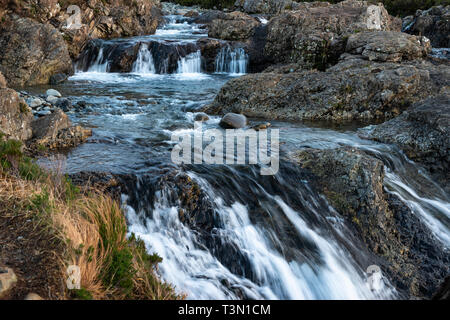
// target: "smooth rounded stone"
[[233, 121], [33, 296], [43, 113], [52, 99], [262, 126], [36, 102], [201, 117], [7, 280], [53, 92]]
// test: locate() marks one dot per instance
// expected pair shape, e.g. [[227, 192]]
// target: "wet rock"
[[233, 121], [433, 23], [53, 92], [7, 280], [55, 131], [388, 46], [262, 126], [58, 78], [63, 104], [233, 26], [208, 16], [34, 61], [352, 181], [191, 14], [36, 102], [315, 34], [52, 99], [444, 291], [265, 6], [422, 132], [201, 117], [354, 89], [15, 115]]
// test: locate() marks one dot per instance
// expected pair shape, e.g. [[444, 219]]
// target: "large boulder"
[[31, 52], [315, 34], [352, 181], [354, 89], [265, 6], [15, 115], [433, 23], [55, 131], [233, 26], [422, 132], [388, 46]]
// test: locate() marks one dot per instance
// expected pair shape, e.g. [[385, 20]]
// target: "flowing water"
[[270, 237]]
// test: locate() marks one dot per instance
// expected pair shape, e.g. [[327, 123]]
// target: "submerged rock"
[[423, 133], [233, 121], [354, 89], [31, 52], [352, 181]]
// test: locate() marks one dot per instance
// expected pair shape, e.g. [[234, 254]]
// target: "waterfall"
[[233, 61], [101, 63], [191, 64], [144, 63]]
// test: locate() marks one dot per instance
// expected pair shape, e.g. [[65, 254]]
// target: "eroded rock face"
[[55, 131], [388, 46], [354, 89], [315, 34], [233, 26], [15, 115], [423, 133], [433, 23], [352, 181], [31, 52]]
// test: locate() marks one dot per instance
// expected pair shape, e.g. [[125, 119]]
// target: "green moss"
[[81, 294]]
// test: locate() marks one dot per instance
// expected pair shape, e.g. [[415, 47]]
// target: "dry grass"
[[92, 228]]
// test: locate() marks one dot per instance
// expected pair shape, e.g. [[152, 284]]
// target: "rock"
[[36, 102], [53, 92], [233, 121], [208, 16], [3, 82], [352, 181], [422, 132], [444, 291], [34, 61], [52, 99], [63, 104], [262, 126], [388, 46], [233, 26], [58, 78], [33, 296], [15, 115], [315, 34], [191, 14], [433, 23], [201, 117], [55, 131], [354, 89], [265, 6], [7, 280]]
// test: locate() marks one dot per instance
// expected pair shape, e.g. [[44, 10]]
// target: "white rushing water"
[[191, 64], [196, 272], [144, 63], [232, 61], [101, 63]]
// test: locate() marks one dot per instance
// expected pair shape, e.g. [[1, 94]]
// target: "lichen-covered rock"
[[55, 131], [433, 23], [31, 52], [354, 89], [388, 46], [315, 34], [352, 181], [233, 26], [423, 133], [15, 115]]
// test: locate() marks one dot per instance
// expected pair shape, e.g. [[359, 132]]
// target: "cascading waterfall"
[[101, 63], [144, 63], [232, 61], [191, 64]]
